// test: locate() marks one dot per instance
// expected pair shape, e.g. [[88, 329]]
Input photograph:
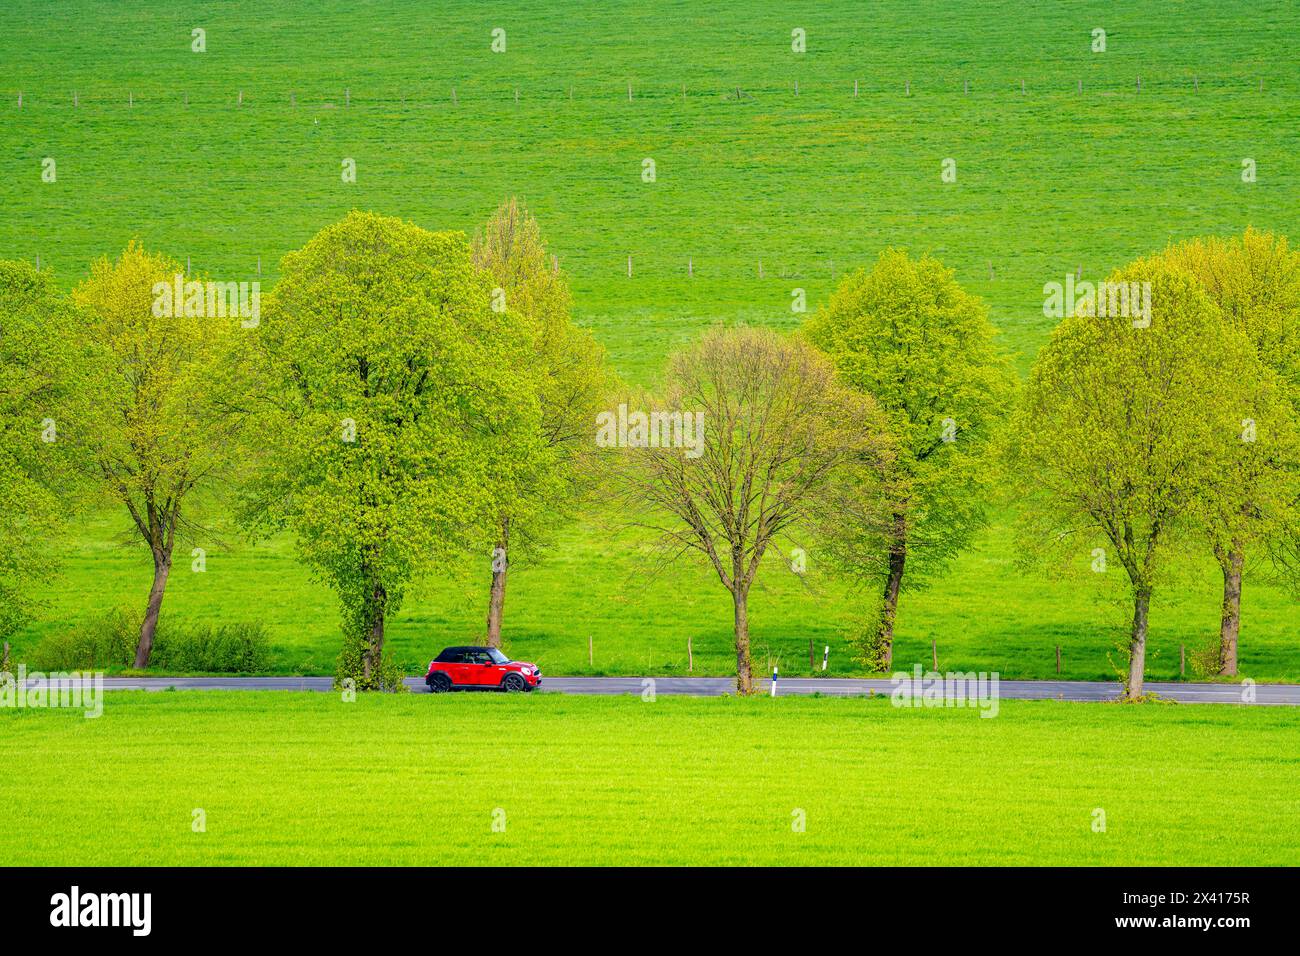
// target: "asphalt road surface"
[[1187, 693]]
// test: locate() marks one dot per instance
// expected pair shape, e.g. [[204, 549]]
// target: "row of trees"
[[882, 428], [410, 396], [405, 396]]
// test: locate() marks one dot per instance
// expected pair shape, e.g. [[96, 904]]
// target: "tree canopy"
[[400, 412], [905, 333], [148, 410], [571, 381], [32, 504], [1124, 430], [781, 435]]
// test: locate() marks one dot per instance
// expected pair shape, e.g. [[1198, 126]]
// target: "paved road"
[[1284, 694]]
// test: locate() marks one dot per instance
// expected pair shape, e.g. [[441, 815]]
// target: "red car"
[[480, 668]]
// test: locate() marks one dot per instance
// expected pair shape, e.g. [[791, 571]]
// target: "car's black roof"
[[449, 652]]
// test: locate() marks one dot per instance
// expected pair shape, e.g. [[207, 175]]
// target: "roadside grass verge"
[[297, 779]]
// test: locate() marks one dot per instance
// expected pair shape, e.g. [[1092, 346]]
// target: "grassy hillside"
[[1081, 169], [591, 781]]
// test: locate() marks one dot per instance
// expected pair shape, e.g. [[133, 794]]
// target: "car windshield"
[[497, 656]]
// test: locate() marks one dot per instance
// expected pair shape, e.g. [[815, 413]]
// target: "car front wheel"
[[439, 684], [514, 682]]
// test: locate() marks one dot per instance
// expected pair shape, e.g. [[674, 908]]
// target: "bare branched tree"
[[781, 441]]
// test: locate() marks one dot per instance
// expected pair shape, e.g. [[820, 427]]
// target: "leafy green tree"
[[148, 415], [32, 503], [1254, 279], [1125, 429], [400, 412], [769, 438], [906, 334], [572, 383]]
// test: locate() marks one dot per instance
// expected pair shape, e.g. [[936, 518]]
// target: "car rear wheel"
[[514, 682], [439, 684]]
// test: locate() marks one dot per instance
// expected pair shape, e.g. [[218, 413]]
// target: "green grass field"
[[1049, 180], [294, 779]]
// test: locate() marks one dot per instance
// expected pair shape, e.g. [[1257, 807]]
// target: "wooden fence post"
[[1058, 660], [934, 653]]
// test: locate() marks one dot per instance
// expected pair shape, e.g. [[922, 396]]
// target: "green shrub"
[[239, 648], [99, 643], [390, 677], [109, 642], [1206, 658]]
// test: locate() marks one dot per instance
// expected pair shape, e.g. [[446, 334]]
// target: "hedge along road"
[[1244, 692]]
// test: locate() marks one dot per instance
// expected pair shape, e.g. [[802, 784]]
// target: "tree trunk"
[[889, 607], [1137, 650], [162, 565], [744, 675], [497, 598], [1230, 622], [374, 655]]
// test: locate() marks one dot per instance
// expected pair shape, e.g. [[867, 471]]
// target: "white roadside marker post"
[[774, 670], [826, 656]]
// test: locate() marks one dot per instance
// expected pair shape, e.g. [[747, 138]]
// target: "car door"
[[458, 670], [481, 669]]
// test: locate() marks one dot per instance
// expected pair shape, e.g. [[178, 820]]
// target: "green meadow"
[[765, 159], [294, 779]]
